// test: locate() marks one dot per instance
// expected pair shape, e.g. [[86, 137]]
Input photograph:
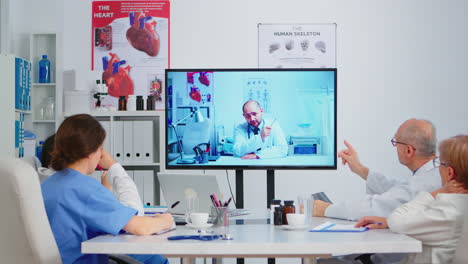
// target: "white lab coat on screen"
[[245, 142], [385, 194]]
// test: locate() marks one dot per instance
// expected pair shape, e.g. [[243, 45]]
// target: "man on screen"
[[258, 138]]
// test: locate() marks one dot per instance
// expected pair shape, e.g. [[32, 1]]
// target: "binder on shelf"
[[143, 141], [106, 126], [148, 187], [117, 146], [138, 178], [128, 141], [148, 138]]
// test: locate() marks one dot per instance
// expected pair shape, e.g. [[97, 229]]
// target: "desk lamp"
[[197, 117]]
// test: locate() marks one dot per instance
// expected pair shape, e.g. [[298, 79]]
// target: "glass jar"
[[49, 108], [288, 208]]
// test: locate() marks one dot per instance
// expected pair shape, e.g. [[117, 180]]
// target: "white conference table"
[[257, 240]]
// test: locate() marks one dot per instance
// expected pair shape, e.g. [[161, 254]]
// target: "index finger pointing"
[[349, 146]]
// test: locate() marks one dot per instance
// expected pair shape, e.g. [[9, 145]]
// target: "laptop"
[[175, 185]]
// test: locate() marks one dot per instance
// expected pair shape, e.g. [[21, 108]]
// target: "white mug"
[[197, 219], [296, 219]]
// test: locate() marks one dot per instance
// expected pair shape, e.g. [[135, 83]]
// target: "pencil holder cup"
[[219, 216]]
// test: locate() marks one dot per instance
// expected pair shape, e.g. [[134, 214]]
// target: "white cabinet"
[[48, 44]]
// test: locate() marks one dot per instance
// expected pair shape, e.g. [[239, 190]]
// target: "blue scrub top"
[[80, 208]]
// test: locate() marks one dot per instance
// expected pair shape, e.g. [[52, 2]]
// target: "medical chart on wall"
[[130, 47], [297, 45]]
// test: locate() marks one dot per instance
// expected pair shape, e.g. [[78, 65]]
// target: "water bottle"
[[44, 70]]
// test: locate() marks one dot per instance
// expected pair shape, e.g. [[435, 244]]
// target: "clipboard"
[[331, 227]]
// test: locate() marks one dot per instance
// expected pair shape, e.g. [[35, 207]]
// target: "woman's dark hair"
[[47, 149], [76, 138]]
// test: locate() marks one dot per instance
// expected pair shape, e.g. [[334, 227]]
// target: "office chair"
[[25, 233], [461, 254]]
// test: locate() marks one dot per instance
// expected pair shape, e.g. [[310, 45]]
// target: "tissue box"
[[76, 102]]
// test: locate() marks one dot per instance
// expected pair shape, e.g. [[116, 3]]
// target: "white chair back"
[[25, 233]]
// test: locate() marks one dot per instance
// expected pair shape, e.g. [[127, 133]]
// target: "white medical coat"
[[437, 223], [385, 194]]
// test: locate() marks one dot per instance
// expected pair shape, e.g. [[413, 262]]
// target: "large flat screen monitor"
[[251, 118]]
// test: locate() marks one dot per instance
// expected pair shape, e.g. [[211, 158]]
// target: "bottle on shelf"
[[140, 104], [44, 70], [39, 150], [122, 103], [131, 103], [150, 102], [49, 108]]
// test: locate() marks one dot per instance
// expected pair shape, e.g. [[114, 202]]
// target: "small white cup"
[[296, 219], [197, 219]]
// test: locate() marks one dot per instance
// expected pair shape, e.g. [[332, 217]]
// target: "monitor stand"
[[240, 197]]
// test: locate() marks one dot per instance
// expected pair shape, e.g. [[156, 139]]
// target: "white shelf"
[[43, 121], [44, 84], [123, 113], [26, 112], [140, 164]]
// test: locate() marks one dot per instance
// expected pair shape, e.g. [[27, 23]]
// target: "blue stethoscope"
[[195, 237]]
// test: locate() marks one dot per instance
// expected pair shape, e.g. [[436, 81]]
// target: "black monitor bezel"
[[247, 167]]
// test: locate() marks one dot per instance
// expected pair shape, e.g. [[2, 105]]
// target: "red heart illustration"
[[203, 78], [195, 94], [117, 78], [142, 34]]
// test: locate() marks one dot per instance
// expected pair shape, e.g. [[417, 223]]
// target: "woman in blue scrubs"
[[79, 207]]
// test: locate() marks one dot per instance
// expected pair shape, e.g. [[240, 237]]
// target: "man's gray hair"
[[422, 137]]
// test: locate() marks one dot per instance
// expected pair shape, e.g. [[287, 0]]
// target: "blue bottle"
[[44, 70], [39, 150]]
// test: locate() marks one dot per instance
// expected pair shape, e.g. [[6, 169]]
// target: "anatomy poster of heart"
[[130, 47], [199, 88], [297, 45]]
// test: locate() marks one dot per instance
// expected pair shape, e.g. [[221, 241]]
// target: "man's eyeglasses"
[[249, 115], [395, 142], [437, 162]]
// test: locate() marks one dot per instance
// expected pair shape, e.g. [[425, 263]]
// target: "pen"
[[273, 122], [227, 203], [175, 204], [213, 200]]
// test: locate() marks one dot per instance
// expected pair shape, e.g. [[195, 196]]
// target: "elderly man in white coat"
[[415, 142]]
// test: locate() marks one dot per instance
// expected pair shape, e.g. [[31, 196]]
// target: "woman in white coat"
[[434, 218]]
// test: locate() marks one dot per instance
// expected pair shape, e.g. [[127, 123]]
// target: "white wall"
[[396, 59]]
